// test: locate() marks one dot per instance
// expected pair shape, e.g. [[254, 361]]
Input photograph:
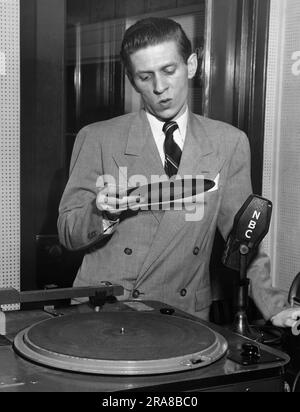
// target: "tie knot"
[[170, 127]]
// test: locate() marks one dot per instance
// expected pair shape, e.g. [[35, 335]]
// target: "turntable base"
[[23, 374], [128, 343]]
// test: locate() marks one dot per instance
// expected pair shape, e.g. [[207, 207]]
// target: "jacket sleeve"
[[269, 300], [80, 222]]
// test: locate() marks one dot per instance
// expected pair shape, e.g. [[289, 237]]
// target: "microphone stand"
[[241, 324]]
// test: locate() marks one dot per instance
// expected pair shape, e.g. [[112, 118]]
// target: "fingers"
[[114, 191], [290, 323], [111, 198]]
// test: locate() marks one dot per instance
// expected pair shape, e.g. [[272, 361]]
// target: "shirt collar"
[[157, 125]]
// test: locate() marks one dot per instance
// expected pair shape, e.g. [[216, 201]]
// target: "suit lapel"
[[198, 158], [140, 156], [197, 147]]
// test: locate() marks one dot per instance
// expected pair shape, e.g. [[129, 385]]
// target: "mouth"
[[165, 102]]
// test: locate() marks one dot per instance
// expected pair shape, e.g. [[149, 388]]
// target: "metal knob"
[[250, 351]]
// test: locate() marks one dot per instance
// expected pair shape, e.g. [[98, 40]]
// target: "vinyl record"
[[169, 194]]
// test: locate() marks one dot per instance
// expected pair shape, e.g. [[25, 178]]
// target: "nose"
[[159, 85]]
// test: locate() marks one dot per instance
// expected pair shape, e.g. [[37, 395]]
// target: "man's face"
[[160, 75]]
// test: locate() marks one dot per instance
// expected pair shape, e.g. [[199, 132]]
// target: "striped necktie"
[[172, 150]]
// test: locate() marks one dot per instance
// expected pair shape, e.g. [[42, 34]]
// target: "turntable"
[[126, 346]]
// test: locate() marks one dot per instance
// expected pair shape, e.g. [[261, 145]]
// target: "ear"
[[130, 78], [192, 64]]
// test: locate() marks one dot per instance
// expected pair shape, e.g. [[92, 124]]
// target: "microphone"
[[250, 226]]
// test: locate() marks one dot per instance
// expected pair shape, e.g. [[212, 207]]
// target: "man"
[[159, 255]]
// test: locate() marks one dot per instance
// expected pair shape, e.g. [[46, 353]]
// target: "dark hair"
[[153, 31]]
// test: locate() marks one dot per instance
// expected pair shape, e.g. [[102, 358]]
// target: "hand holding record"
[[163, 195], [113, 200]]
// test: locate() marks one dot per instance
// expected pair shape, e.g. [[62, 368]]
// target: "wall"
[[9, 144], [282, 141], [91, 11]]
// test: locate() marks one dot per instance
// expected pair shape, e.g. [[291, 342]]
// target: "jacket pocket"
[[202, 298]]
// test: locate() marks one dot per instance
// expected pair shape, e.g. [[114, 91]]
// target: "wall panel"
[[9, 145], [282, 143]]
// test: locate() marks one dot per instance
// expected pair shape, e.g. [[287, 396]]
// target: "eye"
[[170, 70], [144, 78]]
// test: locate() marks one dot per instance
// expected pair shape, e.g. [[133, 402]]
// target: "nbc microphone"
[[251, 224]]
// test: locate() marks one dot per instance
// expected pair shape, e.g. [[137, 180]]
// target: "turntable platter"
[[121, 343]]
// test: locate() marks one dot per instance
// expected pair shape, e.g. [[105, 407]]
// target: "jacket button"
[[136, 294], [196, 251], [128, 251], [183, 292]]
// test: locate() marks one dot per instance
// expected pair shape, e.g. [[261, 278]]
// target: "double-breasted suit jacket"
[[159, 255]]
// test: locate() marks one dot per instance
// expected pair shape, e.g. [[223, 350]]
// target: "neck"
[[174, 118]]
